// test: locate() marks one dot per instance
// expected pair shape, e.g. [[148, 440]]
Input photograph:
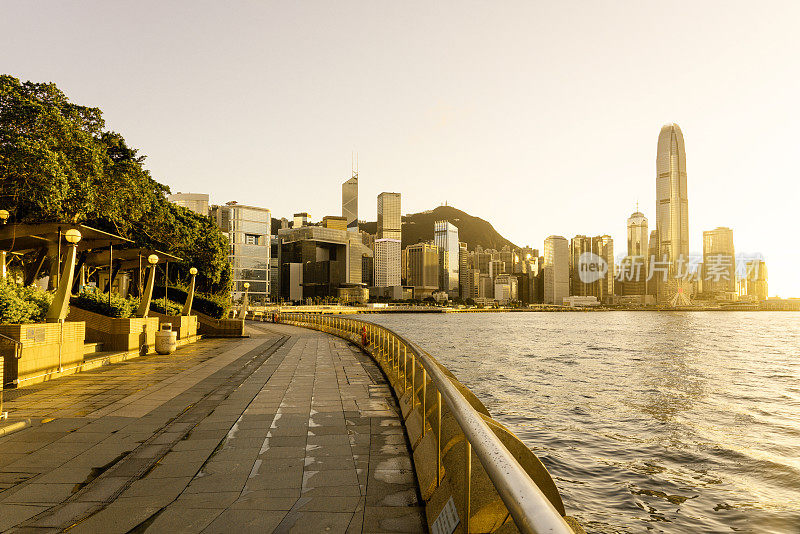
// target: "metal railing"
[[531, 510]]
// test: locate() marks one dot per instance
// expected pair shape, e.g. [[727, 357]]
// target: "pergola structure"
[[97, 249], [133, 259], [45, 241]]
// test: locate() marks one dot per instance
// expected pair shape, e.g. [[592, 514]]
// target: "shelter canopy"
[[22, 238]]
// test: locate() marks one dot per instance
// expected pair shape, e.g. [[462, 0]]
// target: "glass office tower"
[[248, 230]]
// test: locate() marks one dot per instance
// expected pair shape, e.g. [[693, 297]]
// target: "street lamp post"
[[187, 307], [144, 299], [58, 309], [245, 303], [3, 217]]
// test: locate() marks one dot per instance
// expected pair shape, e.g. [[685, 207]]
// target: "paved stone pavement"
[[291, 430]]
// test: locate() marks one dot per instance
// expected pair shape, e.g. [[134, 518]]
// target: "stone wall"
[[44, 347], [131, 334], [211, 327]]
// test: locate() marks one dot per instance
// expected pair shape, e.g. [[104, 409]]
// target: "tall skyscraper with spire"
[[350, 202], [672, 211]]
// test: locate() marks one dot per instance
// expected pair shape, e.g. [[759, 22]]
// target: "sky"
[[540, 117]]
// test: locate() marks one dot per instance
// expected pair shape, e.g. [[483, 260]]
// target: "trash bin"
[[166, 339]]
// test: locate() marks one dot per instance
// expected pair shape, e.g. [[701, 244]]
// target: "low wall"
[[210, 327], [184, 325], [125, 335], [44, 347]]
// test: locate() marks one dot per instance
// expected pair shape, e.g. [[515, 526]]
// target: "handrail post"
[[405, 369], [439, 435], [467, 484], [424, 400], [413, 380]]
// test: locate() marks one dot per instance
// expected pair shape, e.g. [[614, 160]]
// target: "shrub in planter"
[[215, 306], [115, 306], [20, 304], [166, 306]]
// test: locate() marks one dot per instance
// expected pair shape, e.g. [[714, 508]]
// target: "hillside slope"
[[474, 231]]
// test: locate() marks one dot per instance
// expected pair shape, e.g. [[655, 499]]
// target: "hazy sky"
[[541, 117]]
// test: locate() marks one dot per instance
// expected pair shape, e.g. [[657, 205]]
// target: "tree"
[[57, 163]]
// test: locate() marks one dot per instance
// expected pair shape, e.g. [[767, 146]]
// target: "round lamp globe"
[[73, 236]]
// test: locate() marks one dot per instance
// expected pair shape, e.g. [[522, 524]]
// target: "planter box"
[[210, 327], [44, 347], [184, 325], [134, 334]]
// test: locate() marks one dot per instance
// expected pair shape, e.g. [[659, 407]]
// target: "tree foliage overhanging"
[[57, 163]]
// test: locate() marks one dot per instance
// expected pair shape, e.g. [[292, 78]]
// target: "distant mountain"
[[473, 231]]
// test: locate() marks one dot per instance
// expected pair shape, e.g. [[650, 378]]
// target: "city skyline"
[[519, 106]]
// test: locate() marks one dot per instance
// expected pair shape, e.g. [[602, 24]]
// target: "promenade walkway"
[[291, 430]]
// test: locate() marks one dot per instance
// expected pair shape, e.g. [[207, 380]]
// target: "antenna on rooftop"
[[354, 164]]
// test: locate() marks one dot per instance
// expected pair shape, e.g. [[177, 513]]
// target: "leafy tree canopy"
[[57, 163]]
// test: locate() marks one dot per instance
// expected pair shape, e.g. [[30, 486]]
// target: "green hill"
[[474, 231]]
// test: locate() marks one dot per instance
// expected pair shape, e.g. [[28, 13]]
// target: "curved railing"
[[448, 426]]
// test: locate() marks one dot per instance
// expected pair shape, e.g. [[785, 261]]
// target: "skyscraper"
[[719, 262], [602, 246], [463, 260], [579, 245], [637, 234], [387, 244], [350, 202], [389, 220], [445, 236], [556, 269], [672, 211], [423, 269], [757, 279]]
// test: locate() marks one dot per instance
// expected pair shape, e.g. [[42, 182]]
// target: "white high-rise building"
[[556, 269], [445, 236], [387, 262]]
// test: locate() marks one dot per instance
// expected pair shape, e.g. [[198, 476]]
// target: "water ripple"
[[663, 422]]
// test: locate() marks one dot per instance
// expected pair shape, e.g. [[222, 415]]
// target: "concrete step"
[[92, 348]]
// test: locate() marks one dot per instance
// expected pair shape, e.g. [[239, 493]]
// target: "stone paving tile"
[[309, 441], [245, 521], [188, 520], [13, 514]]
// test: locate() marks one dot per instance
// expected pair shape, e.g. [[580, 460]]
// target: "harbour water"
[[648, 421]]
